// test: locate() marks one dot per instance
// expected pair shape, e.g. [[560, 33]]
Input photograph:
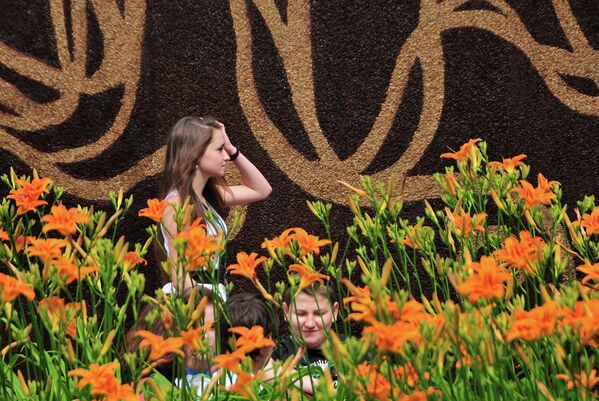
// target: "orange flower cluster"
[[27, 194], [193, 337], [57, 311], [590, 222], [510, 164], [486, 282], [306, 242], [246, 265], [463, 224], [464, 153], [534, 196], [248, 341], [533, 324], [200, 246], [583, 320], [10, 288], [159, 346], [591, 271], [70, 270], [585, 381], [243, 384], [154, 210], [522, 254], [46, 249], [103, 382], [64, 220], [374, 385]]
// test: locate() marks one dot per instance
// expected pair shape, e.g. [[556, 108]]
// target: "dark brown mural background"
[[312, 91]]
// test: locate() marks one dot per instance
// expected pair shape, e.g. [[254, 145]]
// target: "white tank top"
[[214, 224]]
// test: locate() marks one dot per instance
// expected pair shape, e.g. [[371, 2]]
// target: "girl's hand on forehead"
[[228, 145]]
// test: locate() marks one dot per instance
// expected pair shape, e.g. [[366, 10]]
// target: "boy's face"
[[311, 317]]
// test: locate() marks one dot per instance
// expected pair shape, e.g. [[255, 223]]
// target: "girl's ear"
[[335, 311]]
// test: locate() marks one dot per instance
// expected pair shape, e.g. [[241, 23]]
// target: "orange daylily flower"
[[487, 281], [243, 385], [133, 259], [4, 235], [71, 271], [463, 224], [229, 361], [280, 242], [154, 210], [101, 378], [307, 276], [590, 222], [522, 254], [200, 246], [122, 392], [464, 152], [308, 243], [393, 337], [466, 359], [540, 195], [591, 271], [246, 265], [159, 346], [585, 381], [46, 249], [534, 324], [377, 386], [64, 220], [10, 288], [251, 339], [584, 320], [26, 195], [57, 311], [193, 337], [363, 306], [510, 163], [408, 373], [71, 329]]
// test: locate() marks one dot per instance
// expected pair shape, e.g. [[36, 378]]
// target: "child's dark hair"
[[248, 310], [314, 290]]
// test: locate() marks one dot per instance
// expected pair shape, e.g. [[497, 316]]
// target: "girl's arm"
[[255, 186], [179, 277]]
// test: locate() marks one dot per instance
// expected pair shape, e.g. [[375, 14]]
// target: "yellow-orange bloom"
[[199, 245], [10, 288], [57, 311], [46, 249], [251, 339], [463, 224], [26, 195], [64, 220], [585, 381], [540, 195], [133, 259], [308, 243], [307, 276], [464, 152], [280, 242], [154, 210], [510, 163], [70, 271], [373, 384], [243, 385], [590, 222], [537, 322], [486, 282], [522, 254], [101, 378], [591, 271], [229, 361], [159, 346], [246, 265], [193, 337]]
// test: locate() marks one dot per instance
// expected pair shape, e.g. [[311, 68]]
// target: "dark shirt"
[[312, 359]]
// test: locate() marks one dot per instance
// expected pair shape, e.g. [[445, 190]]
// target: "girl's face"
[[212, 163]]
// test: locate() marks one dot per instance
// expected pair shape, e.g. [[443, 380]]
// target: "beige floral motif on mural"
[[293, 42], [122, 43]]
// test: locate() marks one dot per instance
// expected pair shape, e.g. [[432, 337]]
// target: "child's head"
[[311, 314], [249, 310]]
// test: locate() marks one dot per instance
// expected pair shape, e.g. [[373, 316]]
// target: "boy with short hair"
[[311, 316]]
